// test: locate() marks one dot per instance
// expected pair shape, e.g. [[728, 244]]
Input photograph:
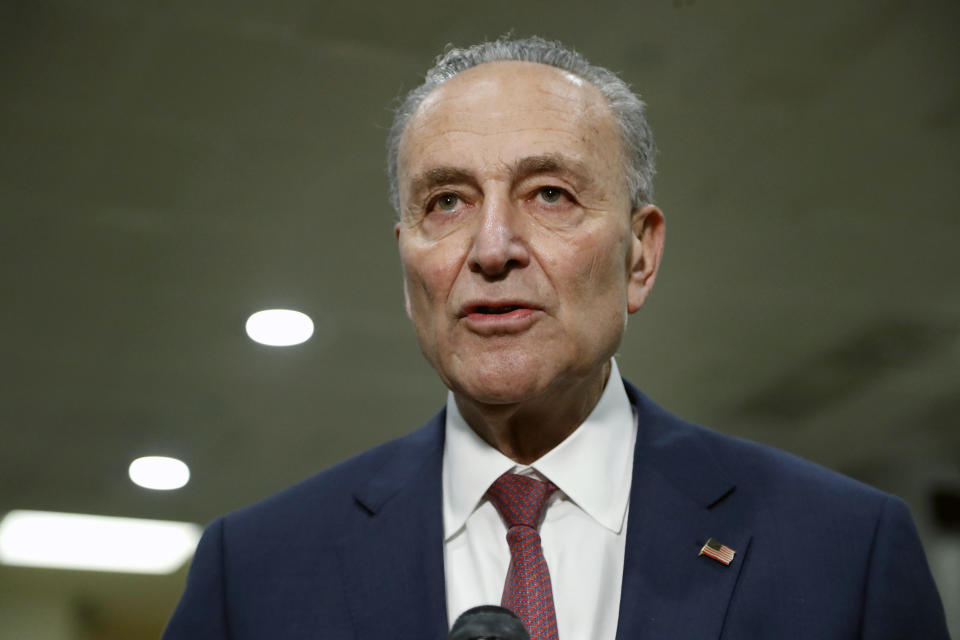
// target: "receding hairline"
[[465, 76], [528, 65]]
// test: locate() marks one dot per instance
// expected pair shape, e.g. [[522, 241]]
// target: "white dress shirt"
[[584, 529]]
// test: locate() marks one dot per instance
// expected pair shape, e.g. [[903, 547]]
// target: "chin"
[[493, 380], [496, 394]]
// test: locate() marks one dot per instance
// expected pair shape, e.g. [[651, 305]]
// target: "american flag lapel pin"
[[717, 551]]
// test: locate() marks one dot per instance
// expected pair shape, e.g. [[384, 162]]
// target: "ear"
[[406, 291], [646, 250]]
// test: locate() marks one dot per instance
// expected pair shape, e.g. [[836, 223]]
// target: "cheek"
[[430, 275], [596, 265]]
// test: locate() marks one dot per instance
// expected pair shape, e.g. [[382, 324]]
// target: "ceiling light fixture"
[[159, 472], [95, 543], [279, 327]]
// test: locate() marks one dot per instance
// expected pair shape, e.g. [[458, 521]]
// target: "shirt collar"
[[592, 466]]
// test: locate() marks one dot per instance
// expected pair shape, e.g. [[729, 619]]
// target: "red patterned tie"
[[527, 592]]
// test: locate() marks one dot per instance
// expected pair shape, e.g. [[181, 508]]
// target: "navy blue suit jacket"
[[356, 552]]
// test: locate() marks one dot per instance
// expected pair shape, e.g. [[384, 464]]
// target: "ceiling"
[[166, 169]]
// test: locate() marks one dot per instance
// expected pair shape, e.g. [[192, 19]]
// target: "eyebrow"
[[553, 163], [438, 176], [524, 168]]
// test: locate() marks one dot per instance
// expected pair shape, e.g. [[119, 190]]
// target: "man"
[[527, 233]]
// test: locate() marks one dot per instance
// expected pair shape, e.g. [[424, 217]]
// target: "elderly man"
[[522, 179]]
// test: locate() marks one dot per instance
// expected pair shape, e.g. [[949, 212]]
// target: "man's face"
[[520, 251]]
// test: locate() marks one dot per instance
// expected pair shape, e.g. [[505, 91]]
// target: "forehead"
[[500, 111]]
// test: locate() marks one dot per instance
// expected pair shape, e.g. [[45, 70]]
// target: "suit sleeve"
[[201, 613], [901, 599]]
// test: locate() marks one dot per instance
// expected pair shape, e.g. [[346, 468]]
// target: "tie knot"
[[520, 499]]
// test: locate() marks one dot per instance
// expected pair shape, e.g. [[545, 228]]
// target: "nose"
[[499, 242]]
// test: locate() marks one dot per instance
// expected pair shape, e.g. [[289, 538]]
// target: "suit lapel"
[[678, 499], [392, 559]]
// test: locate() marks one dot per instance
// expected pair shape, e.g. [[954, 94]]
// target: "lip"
[[490, 317]]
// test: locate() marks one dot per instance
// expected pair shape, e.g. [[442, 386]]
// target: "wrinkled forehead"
[[497, 105]]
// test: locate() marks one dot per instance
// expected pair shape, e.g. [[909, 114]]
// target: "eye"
[[447, 202], [552, 195]]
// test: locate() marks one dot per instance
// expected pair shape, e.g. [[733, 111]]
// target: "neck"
[[525, 431]]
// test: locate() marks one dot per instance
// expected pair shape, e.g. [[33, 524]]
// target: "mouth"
[[507, 317], [495, 308]]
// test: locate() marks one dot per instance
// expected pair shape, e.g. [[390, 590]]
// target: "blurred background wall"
[[168, 168]]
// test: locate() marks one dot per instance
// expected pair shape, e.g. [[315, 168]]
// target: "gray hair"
[[627, 107]]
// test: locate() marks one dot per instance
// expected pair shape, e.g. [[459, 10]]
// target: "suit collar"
[[672, 448], [392, 554], [408, 467]]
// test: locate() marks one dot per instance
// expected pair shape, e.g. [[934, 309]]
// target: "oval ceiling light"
[[158, 472], [279, 327]]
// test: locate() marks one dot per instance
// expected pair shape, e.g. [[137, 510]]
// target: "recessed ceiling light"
[[158, 472], [95, 543], [279, 327]]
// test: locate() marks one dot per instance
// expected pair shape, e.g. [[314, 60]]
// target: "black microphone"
[[488, 622]]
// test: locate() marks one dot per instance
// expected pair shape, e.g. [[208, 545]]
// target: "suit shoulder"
[[788, 483], [783, 480], [758, 463]]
